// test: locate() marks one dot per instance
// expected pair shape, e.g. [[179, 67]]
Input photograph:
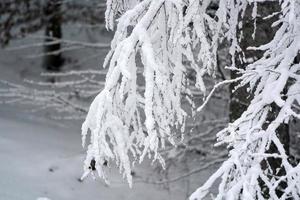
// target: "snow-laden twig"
[[199, 109]]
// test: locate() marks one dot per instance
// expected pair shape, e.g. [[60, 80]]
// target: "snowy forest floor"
[[42, 159]]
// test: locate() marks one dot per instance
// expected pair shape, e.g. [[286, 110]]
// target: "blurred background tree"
[[22, 17]]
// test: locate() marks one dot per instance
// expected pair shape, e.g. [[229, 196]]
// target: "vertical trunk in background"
[[241, 98], [53, 19]]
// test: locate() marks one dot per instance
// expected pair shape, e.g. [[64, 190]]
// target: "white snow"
[[41, 159]]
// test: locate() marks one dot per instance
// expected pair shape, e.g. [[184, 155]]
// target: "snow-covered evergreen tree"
[[167, 37]]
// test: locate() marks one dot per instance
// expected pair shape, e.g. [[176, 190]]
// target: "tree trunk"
[[53, 19]]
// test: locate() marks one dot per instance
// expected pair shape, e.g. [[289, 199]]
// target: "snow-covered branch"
[[273, 79], [164, 37], [67, 98]]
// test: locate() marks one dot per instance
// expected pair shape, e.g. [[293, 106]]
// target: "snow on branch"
[[274, 79], [163, 37], [68, 96]]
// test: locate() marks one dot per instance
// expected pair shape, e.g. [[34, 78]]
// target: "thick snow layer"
[[40, 159]]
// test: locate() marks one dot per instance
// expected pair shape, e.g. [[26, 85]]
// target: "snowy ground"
[[41, 159]]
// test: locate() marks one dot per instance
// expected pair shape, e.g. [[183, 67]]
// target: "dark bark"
[[53, 19], [241, 98]]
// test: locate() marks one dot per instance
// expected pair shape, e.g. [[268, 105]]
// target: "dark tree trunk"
[[53, 59], [241, 98]]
